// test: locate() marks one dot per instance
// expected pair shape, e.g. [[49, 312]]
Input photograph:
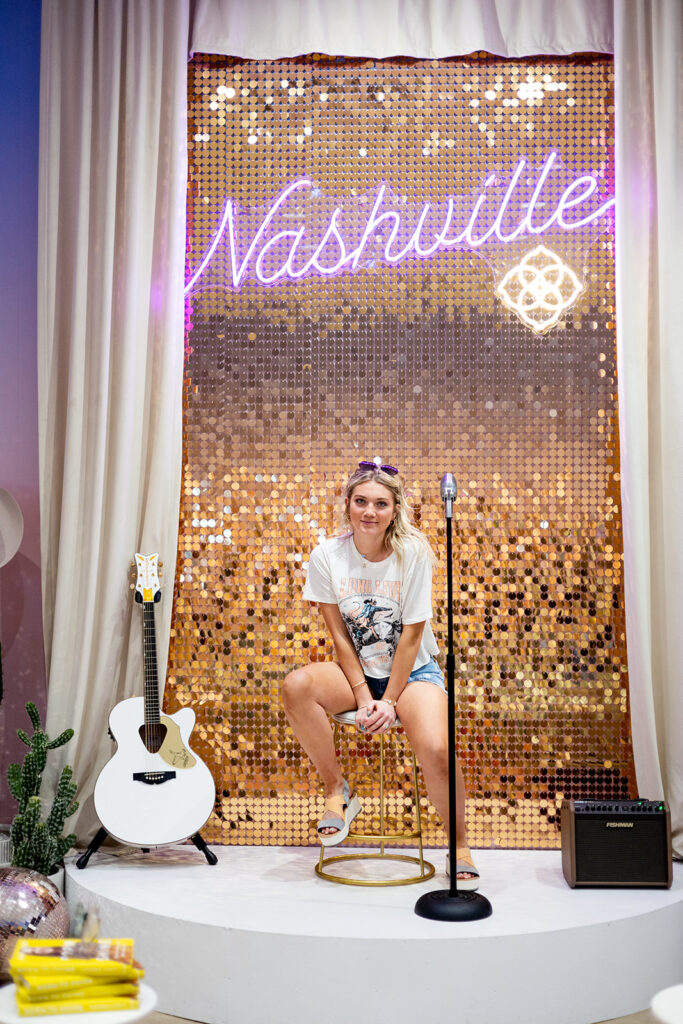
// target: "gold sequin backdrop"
[[289, 384]]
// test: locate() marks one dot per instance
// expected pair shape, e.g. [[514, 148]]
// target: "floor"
[[645, 1017]]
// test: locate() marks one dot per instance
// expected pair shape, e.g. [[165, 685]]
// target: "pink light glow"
[[383, 228]]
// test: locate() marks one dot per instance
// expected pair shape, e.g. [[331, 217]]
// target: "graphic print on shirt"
[[374, 625]]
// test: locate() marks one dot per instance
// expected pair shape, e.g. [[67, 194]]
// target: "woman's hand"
[[363, 715], [376, 717]]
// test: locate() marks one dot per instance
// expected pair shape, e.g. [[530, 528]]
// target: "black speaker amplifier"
[[623, 843]]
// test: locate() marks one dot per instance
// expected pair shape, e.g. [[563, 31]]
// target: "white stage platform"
[[260, 939]]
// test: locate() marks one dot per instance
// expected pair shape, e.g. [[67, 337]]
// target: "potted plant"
[[38, 843]]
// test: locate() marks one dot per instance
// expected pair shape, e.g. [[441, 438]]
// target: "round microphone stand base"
[[443, 905]]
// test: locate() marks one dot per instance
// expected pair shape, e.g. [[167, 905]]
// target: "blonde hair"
[[400, 533]]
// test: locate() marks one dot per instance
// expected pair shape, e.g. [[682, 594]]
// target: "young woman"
[[373, 585]]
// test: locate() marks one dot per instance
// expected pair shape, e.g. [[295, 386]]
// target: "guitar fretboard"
[[149, 648]]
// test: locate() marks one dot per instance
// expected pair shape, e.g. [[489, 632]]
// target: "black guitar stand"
[[102, 834]]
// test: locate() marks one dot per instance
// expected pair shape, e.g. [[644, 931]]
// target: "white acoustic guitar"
[[155, 790]]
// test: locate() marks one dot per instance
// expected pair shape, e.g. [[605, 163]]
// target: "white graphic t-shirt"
[[375, 600]]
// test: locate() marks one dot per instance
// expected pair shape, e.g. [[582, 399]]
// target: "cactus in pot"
[[36, 843]]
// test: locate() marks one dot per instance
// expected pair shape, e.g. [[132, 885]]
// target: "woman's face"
[[371, 508]]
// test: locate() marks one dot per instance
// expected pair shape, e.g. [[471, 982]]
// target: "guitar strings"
[[152, 719]]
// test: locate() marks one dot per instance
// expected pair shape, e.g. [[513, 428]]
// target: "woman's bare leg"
[[309, 695], [423, 710]]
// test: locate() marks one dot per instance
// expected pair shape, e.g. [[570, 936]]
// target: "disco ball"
[[31, 906]]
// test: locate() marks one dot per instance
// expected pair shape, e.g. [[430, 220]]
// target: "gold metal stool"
[[348, 718]]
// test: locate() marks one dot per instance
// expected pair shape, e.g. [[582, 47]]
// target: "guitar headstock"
[[147, 588]]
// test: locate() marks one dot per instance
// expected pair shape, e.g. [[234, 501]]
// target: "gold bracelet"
[[356, 685], [389, 701]]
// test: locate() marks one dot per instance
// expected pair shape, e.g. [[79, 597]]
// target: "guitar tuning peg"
[[161, 565]]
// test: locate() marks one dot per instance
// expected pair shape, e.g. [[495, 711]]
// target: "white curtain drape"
[[111, 239], [110, 336], [271, 29], [649, 227]]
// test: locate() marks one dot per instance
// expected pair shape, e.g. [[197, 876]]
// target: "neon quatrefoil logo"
[[539, 289]]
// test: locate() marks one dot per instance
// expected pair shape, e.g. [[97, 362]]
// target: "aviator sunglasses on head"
[[391, 470]]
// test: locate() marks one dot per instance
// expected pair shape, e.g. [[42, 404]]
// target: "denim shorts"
[[429, 672]]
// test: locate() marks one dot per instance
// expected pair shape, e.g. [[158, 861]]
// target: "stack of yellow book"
[[72, 976]]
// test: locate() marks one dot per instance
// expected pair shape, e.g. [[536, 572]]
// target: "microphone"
[[449, 488], [449, 491]]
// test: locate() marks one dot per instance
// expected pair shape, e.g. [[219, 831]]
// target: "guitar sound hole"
[[153, 736]]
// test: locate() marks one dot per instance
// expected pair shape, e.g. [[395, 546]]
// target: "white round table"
[[10, 1015], [667, 1005]]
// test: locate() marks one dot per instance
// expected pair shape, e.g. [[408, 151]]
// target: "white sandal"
[[463, 865], [340, 810]]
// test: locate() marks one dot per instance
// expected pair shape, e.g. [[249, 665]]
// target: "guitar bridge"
[[153, 778]]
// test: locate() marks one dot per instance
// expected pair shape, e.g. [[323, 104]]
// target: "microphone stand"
[[451, 904]]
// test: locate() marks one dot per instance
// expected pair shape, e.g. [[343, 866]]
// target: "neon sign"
[[350, 237], [539, 289]]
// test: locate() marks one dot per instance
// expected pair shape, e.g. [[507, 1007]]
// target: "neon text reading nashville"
[[291, 253]]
